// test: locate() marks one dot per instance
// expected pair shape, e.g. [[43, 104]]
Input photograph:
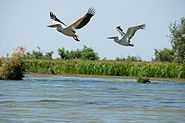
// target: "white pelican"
[[183, 35], [70, 29], [125, 37]]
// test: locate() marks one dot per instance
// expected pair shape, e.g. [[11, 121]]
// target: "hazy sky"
[[24, 23]]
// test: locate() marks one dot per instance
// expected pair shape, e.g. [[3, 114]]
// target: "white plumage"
[[183, 35], [126, 37], [70, 30]]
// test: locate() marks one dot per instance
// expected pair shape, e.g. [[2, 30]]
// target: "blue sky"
[[24, 23]]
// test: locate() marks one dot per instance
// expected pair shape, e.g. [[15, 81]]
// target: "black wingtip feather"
[[53, 16], [91, 12], [119, 27]]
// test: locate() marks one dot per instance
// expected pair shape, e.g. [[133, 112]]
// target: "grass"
[[108, 67]]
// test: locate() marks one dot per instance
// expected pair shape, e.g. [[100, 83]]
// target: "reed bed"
[[108, 67]]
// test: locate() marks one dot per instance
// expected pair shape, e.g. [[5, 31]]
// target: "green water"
[[58, 99]]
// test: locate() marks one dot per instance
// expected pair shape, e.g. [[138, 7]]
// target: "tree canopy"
[[86, 54], [37, 54], [165, 55], [177, 38]]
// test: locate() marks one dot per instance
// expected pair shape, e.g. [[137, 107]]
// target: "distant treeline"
[[86, 54], [105, 67], [81, 54]]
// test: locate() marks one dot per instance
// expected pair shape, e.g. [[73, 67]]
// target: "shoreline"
[[103, 76]]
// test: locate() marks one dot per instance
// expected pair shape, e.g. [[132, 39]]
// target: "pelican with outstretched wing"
[[70, 30], [126, 37]]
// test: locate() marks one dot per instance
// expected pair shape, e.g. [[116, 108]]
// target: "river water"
[[59, 99]]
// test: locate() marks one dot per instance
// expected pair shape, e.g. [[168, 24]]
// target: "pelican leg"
[[76, 38], [129, 39], [132, 45]]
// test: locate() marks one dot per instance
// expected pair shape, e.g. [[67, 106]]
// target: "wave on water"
[[27, 101], [75, 79], [48, 100], [7, 101], [1, 94]]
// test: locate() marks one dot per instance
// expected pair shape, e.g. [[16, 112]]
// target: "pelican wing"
[[132, 30], [53, 17], [120, 30], [81, 22]]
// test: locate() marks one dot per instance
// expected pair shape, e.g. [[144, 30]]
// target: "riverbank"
[[103, 76]]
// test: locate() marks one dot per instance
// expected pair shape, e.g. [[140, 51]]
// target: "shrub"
[[12, 68], [1, 61]]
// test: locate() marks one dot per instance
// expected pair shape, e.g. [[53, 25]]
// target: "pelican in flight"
[[70, 30], [126, 37]]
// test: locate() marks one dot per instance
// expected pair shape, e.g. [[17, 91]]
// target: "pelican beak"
[[110, 37], [52, 26], [49, 26]]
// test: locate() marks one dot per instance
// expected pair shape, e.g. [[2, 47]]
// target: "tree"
[[86, 54], [134, 58], [89, 54], [37, 54], [75, 54], [48, 55], [177, 37], [61, 53], [130, 58], [165, 55]]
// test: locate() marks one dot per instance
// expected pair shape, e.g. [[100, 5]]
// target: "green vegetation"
[[177, 35], [177, 39], [1, 61], [37, 54], [85, 54], [130, 58], [165, 55], [12, 68], [113, 68]]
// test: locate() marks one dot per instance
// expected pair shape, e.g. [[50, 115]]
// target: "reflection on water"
[[59, 99]]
